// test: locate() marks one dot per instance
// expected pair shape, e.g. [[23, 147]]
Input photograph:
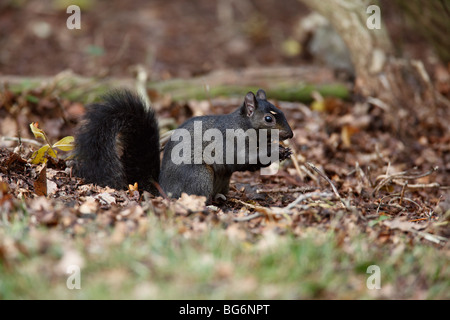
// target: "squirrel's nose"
[[291, 134], [286, 134]]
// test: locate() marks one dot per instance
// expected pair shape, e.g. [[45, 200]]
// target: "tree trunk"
[[400, 87]]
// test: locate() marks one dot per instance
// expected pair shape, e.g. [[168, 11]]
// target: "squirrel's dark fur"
[[123, 116]]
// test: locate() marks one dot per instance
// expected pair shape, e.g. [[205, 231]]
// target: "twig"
[[368, 176], [399, 206], [388, 167], [402, 175], [164, 138], [309, 173], [286, 211], [329, 181], [286, 190], [406, 199], [378, 103], [141, 81], [419, 219], [388, 178], [252, 216], [160, 190], [295, 162], [432, 237], [402, 194], [305, 196], [247, 218], [422, 185], [420, 175], [380, 185], [31, 141], [361, 174], [381, 201]]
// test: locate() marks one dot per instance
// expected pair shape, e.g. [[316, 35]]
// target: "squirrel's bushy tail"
[[122, 117]]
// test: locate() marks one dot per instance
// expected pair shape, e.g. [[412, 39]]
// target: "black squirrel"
[[124, 116]]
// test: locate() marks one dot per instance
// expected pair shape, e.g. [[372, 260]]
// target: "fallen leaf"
[[105, 198], [38, 133], [89, 206], [318, 106], [39, 156], [52, 187], [346, 135], [65, 144], [133, 187], [403, 225], [40, 184], [189, 203]]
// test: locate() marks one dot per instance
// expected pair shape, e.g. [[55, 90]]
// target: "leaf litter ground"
[[351, 183]]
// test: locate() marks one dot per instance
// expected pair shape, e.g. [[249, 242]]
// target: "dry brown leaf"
[[89, 206], [133, 187], [52, 187], [190, 203], [133, 212], [403, 225], [105, 198], [40, 184], [346, 135]]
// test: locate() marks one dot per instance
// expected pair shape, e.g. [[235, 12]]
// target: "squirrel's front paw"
[[284, 153]]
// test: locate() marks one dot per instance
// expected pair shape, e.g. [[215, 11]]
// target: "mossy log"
[[280, 83]]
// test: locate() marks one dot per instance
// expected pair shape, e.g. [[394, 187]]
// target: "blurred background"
[[180, 38]]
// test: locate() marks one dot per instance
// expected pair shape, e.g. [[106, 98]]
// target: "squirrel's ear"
[[250, 104], [261, 94]]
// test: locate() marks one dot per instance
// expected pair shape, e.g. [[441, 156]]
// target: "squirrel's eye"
[[268, 119]]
